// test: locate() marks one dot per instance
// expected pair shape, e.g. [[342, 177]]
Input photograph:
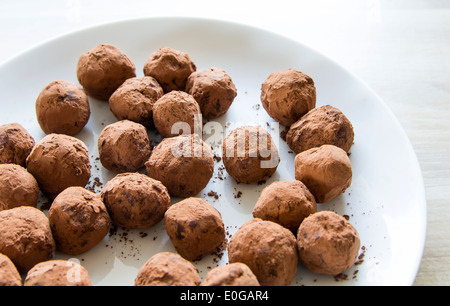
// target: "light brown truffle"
[[268, 249], [17, 187], [322, 125], [167, 269], [124, 146], [15, 144], [250, 154], [103, 69], [233, 274], [62, 108], [170, 67], [9, 276], [58, 273], [59, 161], [286, 203], [213, 89], [25, 237], [194, 227], [287, 95], [78, 219], [134, 100], [135, 200], [174, 108], [184, 164], [326, 171], [327, 243]]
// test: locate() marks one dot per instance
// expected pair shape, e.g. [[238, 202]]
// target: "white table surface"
[[399, 48]]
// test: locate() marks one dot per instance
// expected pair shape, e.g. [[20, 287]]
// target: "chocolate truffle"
[[213, 89], [59, 161], [124, 146], [195, 227], [58, 273], [17, 187], [268, 249], [15, 144], [134, 100], [323, 125], [327, 243], [170, 67], [286, 203], [233, 274], [174, 108], [103, 69], [167, 269], [135, 200], [9, 276], [326, 171], [249, 154], [25, 237], [287, 95], [63, 108], [184, 164], [78, 219]]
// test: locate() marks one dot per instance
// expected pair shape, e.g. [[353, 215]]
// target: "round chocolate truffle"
[[250, 154], [170, 67], [17, 187], [268, 249], [25, 237], [213, 89], [78, 219], [58, 273], [167, 269], [326, 171], [323, 125], [9, 276], [15, 144], [124, 146], [59, 161], [135, 200], [233, 274], [63, 108], [327, 243], [195, 227], [287, 95], [184, 164], [103, 69], [134, 100], [286, 203], [176, 111]]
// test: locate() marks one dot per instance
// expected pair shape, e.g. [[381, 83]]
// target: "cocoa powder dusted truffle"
[[135, 200], [59, 161], [63, 108], [17, 187], [194, 227], [268, 249], [326, 171], [327, 243], [184, 164], [15, 144], [250, 154], [25, 237], [213, 89], [9, 276], [167, 269], [322, 125], [233, 274], [124, 146], [286, 203], [170, 67], [103, 69], [58, 273], [78, 219], [287, 95], [134, 100]]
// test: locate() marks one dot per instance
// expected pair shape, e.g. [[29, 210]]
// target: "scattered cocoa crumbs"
[[340, 277], [238, 195], [361, 256], [213, 194], [217, 158]]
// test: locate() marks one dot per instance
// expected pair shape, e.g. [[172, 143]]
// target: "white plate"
[[386, 201]]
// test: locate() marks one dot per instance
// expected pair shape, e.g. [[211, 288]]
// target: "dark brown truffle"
[[15, 144], [58, 273], [9, 276], [17, 187], [233, 274]]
